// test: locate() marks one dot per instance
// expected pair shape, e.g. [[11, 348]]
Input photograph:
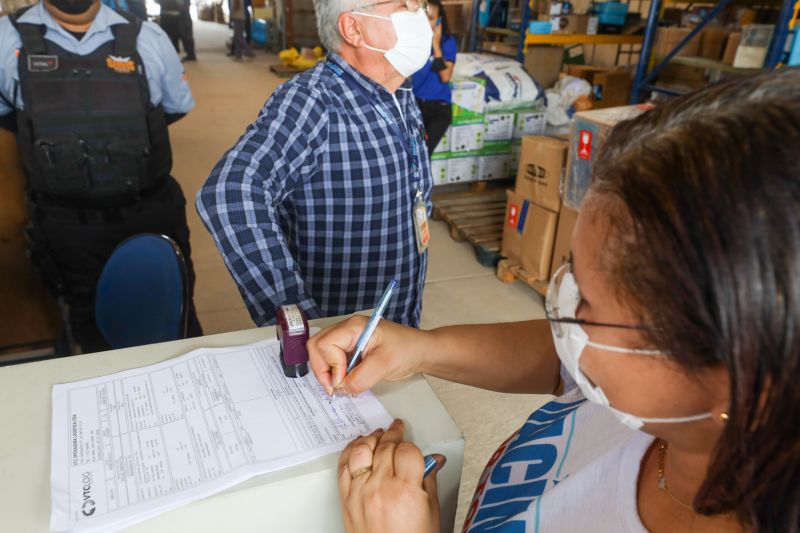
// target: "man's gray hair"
[[328, 12]]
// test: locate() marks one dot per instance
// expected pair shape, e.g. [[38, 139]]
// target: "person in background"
[[432, 82], [323, 199], [176, 20], [238, 19], [186, 30], [134, 7], [89, 92], [248, 21], [671, 340]]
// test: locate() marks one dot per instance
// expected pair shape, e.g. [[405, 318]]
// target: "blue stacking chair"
[[142, 294]]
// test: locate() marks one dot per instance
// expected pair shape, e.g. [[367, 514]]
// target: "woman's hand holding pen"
[[394, 352]]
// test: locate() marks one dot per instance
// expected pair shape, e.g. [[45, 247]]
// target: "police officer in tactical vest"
[[89, 92]]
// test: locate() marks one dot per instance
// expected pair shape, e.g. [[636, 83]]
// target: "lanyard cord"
[[412, 148]]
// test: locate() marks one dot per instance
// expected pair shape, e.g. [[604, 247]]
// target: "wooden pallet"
[[475, 217], [508, 272]]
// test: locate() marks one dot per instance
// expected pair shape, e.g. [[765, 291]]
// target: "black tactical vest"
[[88, 130]]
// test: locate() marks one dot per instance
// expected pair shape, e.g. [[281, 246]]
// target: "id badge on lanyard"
[[419, 213], [421, 226]]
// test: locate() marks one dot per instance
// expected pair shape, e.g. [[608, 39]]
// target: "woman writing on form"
[[671, 339]]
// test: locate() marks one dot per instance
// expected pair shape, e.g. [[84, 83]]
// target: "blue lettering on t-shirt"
[[502, 511], [524, 470], [537, 460], [516, 526], [501, 494]]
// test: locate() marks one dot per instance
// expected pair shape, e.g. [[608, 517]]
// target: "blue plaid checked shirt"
[[313, 204]]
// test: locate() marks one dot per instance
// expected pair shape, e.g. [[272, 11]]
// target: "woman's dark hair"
[[703, 198], [442, 15]]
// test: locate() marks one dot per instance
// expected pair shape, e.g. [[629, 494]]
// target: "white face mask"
[[414, 38], [571, 342]]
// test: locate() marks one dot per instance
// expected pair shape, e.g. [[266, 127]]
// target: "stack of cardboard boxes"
[[534, 205], [482, 144], [719, 42], [552, 179]]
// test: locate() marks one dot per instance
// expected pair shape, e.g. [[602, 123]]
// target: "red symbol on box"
[[513, 214], [585, 145]]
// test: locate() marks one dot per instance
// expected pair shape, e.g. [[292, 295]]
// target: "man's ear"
[[350, 29]]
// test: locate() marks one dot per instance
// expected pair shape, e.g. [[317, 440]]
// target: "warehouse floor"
[[229, 95]]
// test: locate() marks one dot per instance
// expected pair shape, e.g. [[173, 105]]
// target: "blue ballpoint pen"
[[430, 464], [371, 325]]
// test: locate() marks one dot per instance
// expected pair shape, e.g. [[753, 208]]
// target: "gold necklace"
[[662, 480]]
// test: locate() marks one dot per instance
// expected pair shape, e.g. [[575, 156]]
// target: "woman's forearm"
[[513, 357]]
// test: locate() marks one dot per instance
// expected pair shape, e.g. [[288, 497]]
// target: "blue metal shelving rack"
[[473, 45], [643, 81]]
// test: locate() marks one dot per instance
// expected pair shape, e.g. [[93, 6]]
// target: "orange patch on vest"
[[123, 65]]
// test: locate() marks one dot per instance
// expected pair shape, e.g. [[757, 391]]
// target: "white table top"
[[303, 498]]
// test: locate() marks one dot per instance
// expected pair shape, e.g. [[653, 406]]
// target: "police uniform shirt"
[[165, 75]]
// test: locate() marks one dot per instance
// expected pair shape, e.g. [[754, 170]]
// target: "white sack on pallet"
[[509, 84]]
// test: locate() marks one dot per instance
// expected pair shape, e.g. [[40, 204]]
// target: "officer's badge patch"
[[121, 65], [42, 63]]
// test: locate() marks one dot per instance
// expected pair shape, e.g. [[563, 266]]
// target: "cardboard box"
[[499, 126], [610, 87], [712, 43], [494, 166], [543, 63], [731, 47], [668, 38], [528, 235], [529, 122], [494, 161], [516, 151], [469, 102], [570, 24], [683, 78], [466, 137], [541, 167], [444, 143], [507, 49], [683, 72], [581, 6], [574, 55], [462, 167], [563, 243], [439, 167], [593, 26], [458, 16], [553, 7], [589, 131]]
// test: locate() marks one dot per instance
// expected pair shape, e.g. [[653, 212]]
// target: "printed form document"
[[131, 445]]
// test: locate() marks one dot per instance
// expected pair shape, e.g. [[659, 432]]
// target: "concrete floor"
[[459, 290]]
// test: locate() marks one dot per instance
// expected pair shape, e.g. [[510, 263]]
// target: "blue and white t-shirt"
[[571, 467]]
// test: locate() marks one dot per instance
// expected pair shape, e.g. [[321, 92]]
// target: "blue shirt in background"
[[427, 83]]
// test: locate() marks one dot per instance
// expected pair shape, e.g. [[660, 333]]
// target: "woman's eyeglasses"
[[570, 295]]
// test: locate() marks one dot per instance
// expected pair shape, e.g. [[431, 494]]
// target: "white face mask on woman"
[[570, 340], [414, 38]]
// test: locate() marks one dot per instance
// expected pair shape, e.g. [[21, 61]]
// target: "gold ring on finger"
[[361, 471]]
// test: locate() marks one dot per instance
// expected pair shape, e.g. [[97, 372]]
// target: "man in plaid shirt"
[[313, 205]]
